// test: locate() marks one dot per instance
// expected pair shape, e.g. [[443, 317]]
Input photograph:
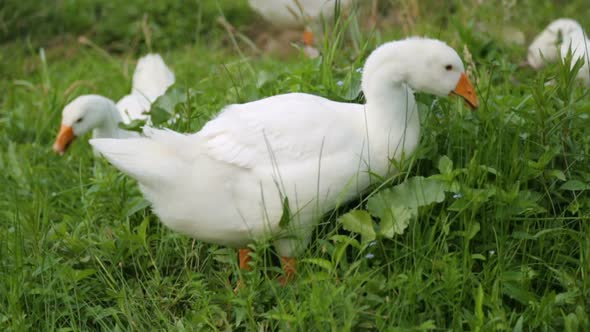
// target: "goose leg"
[[308, 37], [289, 268], [308, 41], [244, 261], [244, 257]]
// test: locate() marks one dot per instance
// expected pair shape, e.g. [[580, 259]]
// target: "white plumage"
[[295, 13], [299, 14], [151, 79], [554, 43], [97, 113], [227, 183]]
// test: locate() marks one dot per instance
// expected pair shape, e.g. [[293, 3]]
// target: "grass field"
[[506, 247]]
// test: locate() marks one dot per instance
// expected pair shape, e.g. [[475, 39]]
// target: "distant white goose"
[[555, 41], [298, 14], [229, 183], [93, 112]]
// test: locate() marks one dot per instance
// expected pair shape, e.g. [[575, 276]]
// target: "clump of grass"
[[135, 24]]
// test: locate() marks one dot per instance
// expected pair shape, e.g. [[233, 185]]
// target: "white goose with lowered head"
[[228, 183], [299, 14], [554, 43], [295, 13], [97, 113]]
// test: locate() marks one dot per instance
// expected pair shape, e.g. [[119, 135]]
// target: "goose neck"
[[109, 126]]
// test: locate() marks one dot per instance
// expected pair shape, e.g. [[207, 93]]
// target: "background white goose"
[[555, 41], [228, 183], [298, 14], [93, 112]]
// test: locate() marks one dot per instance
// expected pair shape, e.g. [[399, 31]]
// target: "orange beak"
[[465, 90], [63, 139]]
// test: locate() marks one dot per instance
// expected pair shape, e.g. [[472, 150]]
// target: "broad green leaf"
[[472, 230], [445, 165], [396, 221], [323, 263], [168, 101], [571, 322], [527, 202], [396, 207], [164, 107], [142, 231], [472, 197], [518, 325], [479, 299], [360, 222], [556, 173], [224, 255], [353, 89], [478, 256], [480, 195], [517, 292], [566, 298], [488, 169], [545, 158], [428, 325], [574, 185], [265, 77], [415, 192], [380, 203], [337, 238], [134, 125]]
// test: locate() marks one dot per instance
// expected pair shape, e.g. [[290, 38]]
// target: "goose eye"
[[79, 120], [449, 67]]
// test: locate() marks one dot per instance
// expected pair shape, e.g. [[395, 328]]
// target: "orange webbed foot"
[[289, 268], [308, 44], [244, 262]]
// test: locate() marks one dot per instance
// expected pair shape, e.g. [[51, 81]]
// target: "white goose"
[[93, 112], [298, 14], [555, 41], [227, 183]]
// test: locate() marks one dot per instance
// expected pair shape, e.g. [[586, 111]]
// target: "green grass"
[[506, 248]]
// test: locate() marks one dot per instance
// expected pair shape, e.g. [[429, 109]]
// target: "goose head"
[[81, 115], [425, 65], [545, 47]]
